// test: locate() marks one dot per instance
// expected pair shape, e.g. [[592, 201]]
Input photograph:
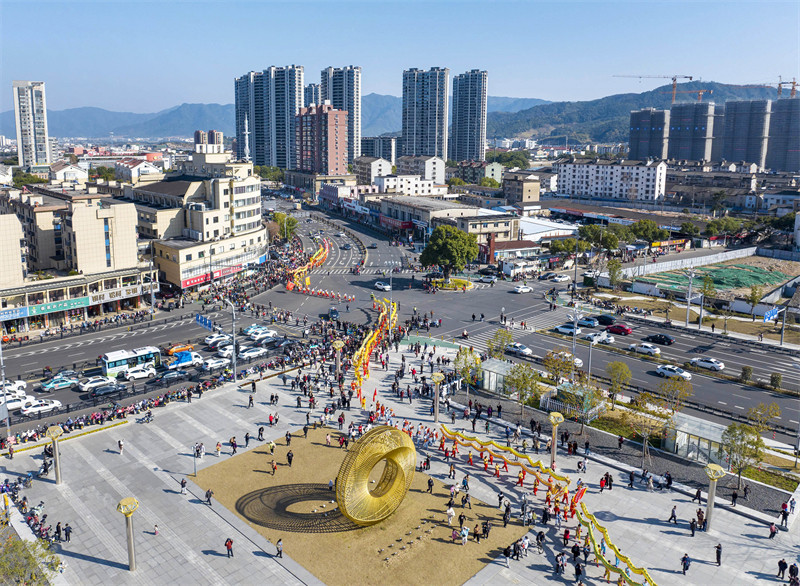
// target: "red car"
[[622, 329]]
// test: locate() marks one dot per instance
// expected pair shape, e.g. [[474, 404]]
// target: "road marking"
[[737, 407], [722, 402], [28, 364], [72, 355], [793, 421]]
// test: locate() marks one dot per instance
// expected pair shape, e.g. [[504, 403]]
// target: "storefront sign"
[[420, 223], [395, 223], [206, 277], [58, 306], [668, 243], [16, 313], [115, 294]]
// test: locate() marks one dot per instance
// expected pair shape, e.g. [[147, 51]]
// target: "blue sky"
[[143, 56]]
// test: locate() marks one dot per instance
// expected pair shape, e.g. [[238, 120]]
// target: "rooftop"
[[427, 203]]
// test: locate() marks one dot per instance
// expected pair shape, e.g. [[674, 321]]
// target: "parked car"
[[519, 349], [670, 371], [216, 363], [599, 338], [606, 319], [560, 278], [137, 372], [31, 408], [94, 382], [522, 289], [253, 353], [179, 348], [547, 276], [568, 330], [169, 378], [487, 279], [709, 363], [588, 322], [57, 383], [435, 275], [621, 329], [381, 286], [105, 390], [645, 348], [665, 339]]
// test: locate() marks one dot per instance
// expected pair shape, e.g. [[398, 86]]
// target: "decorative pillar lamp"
[[556, 419], [437, 378], [714, 473], [127, 506], [54, 432]]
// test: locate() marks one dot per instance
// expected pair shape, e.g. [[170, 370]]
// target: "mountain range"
[[602, 120]]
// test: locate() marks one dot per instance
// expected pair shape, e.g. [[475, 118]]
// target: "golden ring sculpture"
[[357, 501]]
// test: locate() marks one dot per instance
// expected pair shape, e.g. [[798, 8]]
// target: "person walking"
[[279, 548], [290, 457], [209, 494], [782, 565], [630, 479], [58, 531], [274, 467], [507, 554], [121, 445], [686, 561], [229, 546], [250, 402], [773, 530], [246, 439], [734, 497], [430, 485], [697, 495], [673, 517], [450, 514], [219, 448], [155, 529], [183, 486], [793, 572], [67, 532], [718, 551], [233, 446]]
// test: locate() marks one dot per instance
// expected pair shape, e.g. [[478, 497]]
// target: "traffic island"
[[297, 505]]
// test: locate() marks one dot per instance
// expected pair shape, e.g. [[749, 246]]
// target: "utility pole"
[[152, 285], [689, 297], [233, 337], [5, 397]]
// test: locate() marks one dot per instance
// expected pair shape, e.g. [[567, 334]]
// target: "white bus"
[[121, 360]]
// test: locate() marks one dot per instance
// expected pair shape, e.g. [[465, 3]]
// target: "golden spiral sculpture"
[[356, 500]]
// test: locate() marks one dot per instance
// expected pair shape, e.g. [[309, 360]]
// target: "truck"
[[184, 359]]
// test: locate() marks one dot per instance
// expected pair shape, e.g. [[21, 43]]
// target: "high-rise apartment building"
[[425, 112], [691, 131], [322, 140], [341, 86], [468, 130], [208, 142], [30, 115], [267, 103], [649, 134], [783, 150], [381, 147], [311, 95], [747, 125]]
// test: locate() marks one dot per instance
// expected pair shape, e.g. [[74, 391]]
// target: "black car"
[[106, 390], [169, 378], [435, 275], [547, 276], [488, 271], [606, 319], [372, 246], [347, 246], [665, 339]]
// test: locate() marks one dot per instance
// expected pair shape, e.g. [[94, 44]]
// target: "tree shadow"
[[269, 507]]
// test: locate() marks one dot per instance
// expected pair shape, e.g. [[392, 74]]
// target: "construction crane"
[[674, 79], [698, 92], [792, 83]]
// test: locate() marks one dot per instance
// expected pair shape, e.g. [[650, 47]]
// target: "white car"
[[15, 386], [95, 381], [13, 394], [253, 352], [567, 356], [215, 338], [39, 406], [225, 351], [670, 371], [215, 363], [259, 335], [340, 234], [599, 338], [522, 289], [487, 279], [568, 329], [519, 349], [381, 286], [14, 403], [560, 278], [645, 348], [137, 372], [709, 363]]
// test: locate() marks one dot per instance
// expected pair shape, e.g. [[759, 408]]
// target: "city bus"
[[121, 360]]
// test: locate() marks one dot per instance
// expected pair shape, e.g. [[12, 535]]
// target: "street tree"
[[449, 248], [673, 393], [467, 365], [620, 375], [609, 241], [496, 345], [286, 224], [708, 290], [762, 415], [26, 562], [614, 273], [559, 363], [582, 397], [644, 423], [754, 298], [523, 379], [648, 231], [744, 447], [591, 233], [690, 229]]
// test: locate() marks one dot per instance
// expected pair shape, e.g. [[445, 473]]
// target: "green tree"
[[609, 241], [449, 248], [269, 173], [450, 163], [761, 416], [26, 562], [718, 201], [467, 365], [673, 393], [620, 375], [723, 226], [523, 379], [453, 181], [744, 446], [286, 224], [708, 290], [11, 161], [508, 158], [105, 173], [643, 423], [394, 169], [648, 231], [591, 233], [496, 345], [489, 182], [754, 298], [559, 364], [73, 158], [614, 273], [21, 179], [690, 229]]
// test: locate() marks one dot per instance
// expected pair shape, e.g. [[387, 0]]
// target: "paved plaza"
[[189, 546]]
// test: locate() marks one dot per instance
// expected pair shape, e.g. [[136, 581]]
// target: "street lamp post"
[[233, 337], [556, 419], [437, 378], [690, 274], [714, 473], [152, 289], [575, 317], [54, 432], [5, 398], [338, 345], [127, 506], [591, 345]]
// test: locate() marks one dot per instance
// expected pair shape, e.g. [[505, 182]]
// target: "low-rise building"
[[133, 171], [6, 175], [13, 263], [490, 229], [612, 179], [368, 168], [65, 172], [414, 217], [431, 168], [472, 172], [313, 182], [520, 187], [412, 185]]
